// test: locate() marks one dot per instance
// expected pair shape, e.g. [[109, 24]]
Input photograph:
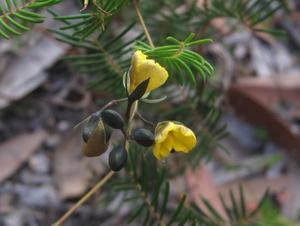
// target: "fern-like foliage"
[[146, 189], [17, 16], [105, 58], [195, 17], [82, 25], [154, 195], [249, 12], [236, 212]]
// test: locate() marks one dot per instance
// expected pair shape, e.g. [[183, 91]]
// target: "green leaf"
[[178, 210], [137, 212], [261, 202], [165, 199], [19, 16], [242, 202], [235, 207], [212, 210]]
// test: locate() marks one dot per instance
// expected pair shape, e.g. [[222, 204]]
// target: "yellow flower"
[[142, 69], [171, 136]]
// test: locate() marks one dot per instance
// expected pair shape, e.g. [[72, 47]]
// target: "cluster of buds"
[[97, 132], [145, 75]]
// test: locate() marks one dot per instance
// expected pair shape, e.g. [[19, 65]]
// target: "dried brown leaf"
[[14, 152], [73, 171]]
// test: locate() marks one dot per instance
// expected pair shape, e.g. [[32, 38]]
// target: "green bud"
[[143, 137], [97, 142], [113, 119], [117, 158]]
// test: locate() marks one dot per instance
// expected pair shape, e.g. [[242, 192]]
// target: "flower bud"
[[113, 119], [139, 91], [143, 137], [117, 158], [96, 141]]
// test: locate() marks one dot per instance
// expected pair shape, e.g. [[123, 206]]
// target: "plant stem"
[[140, 16], [84, 199]]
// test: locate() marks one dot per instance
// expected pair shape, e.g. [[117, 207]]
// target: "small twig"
[[144, 120], [138, 12], [84, 199]]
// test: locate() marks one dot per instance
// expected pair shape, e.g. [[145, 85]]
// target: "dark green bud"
[[139, 91], [90, 127], [113, 119], [117, 158], [143, 137]]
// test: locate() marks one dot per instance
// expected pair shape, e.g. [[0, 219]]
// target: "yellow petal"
[[137, 59], [162, 150], [163, 145], [142, 69], [184, 139], [157, 74], [162, 131], [172, 136]]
